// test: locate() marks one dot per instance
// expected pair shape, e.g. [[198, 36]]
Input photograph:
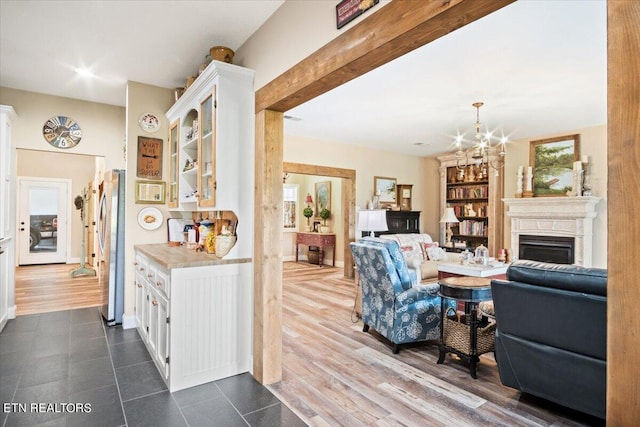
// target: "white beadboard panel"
[[211, 329]]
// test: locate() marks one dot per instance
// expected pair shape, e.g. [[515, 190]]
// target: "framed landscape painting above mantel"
[[385, 189], [552, 162]]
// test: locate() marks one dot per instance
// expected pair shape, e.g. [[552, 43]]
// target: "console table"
[[321, 240]]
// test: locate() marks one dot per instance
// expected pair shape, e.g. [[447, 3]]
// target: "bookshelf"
[[475, 194]]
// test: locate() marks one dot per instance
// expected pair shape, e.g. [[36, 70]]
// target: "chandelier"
[[484, 152]]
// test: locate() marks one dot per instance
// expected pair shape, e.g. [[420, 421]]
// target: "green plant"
[[325, 214], [308, 213]]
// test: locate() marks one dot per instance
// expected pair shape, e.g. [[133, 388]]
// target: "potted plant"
[[308, 213], [325, 214]]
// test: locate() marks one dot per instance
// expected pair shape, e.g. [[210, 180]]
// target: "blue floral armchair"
[[392, 302]]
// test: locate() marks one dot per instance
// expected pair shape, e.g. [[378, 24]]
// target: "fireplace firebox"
[[555, 249]]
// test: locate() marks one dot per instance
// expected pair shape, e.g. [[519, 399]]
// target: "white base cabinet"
[[196, 321]]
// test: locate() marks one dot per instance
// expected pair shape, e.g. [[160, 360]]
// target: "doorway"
[[43, 212]]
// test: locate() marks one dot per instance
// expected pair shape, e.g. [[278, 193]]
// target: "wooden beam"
[[623, 152], [267, 300], [396, 29]]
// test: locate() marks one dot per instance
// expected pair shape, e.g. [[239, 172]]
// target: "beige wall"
[[103, 125], [306, 185], [367, 163], [293, 32], [142, 98], [80, 169]]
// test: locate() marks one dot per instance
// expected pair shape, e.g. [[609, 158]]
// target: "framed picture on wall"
[[323, 197], [552, 160], [385, 189], [150, 192]]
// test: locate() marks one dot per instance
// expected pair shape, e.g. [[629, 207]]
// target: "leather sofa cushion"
[[568, 277]]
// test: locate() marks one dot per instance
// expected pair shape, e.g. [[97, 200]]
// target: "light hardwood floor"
[[44, 288], [336, 375]]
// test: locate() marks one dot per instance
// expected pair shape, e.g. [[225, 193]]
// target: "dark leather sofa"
[[551, 337]]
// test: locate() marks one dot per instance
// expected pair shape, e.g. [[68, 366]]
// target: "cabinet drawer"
[[142, 265], [160, 280]]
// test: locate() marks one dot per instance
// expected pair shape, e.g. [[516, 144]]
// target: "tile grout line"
[[113, 368]]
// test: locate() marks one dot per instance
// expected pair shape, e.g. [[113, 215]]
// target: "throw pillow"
[[437, 254], [425, 248]]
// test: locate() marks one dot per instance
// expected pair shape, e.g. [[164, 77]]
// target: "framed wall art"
[[150, 192], [551, 161], [385, 189], [323, 197], [149, 161]]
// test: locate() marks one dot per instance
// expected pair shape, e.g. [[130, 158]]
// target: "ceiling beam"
[[371, 43]]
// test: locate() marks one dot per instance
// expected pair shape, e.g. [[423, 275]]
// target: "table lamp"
[[372, 220], [449, 217]]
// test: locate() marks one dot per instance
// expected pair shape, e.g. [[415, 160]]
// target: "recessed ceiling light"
[[418, 144], [85, 72]]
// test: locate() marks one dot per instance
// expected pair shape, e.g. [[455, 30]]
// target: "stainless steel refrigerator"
[[111, 242]]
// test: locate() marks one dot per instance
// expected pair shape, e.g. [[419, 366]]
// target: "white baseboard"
[[11, 312], [128, 322]]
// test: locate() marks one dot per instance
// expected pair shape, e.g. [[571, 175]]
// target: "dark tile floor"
[[54, 366]]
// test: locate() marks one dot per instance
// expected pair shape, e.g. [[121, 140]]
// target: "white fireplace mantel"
[[555, 216]]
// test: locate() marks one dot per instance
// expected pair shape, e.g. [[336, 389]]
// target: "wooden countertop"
[[181, 257]]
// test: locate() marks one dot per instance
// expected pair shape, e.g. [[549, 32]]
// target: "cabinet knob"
[[139, 285], [135, 263], [154, 302], [159, 283], [141, 268], [149, 275]]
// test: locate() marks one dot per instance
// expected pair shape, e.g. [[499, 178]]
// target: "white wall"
[[293, 32]]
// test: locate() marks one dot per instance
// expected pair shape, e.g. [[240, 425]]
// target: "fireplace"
[[556, 249], [553, 222]]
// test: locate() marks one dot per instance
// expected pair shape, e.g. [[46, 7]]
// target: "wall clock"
[[149, 122], [62, 132]]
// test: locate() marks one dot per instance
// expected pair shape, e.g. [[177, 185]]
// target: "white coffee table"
[[452, 269]]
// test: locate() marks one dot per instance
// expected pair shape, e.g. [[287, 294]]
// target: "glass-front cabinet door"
[[207, 151], [173, 165]]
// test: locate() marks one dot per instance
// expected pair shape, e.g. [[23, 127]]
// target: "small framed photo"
[[385, 189], [150, 192], [552, 161]]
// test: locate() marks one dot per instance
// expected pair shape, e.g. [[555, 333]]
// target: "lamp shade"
[[308, 199], [448, 216], [372, 220]]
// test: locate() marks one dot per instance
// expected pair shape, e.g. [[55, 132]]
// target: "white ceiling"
[[539, 66]]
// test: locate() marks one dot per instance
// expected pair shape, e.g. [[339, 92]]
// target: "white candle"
[[519, 170], [585, 159], [577, 166], [529, 171]]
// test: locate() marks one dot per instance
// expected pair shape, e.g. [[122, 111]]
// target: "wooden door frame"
[[348, 190], [396, 29]]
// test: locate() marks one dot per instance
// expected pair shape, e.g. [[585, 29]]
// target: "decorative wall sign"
[[348, 10], [149, 158]]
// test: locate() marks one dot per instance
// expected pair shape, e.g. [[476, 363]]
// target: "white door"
[[43, 220]]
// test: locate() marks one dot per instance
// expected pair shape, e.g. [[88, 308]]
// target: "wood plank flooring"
[[45, 288], [336, 375]]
